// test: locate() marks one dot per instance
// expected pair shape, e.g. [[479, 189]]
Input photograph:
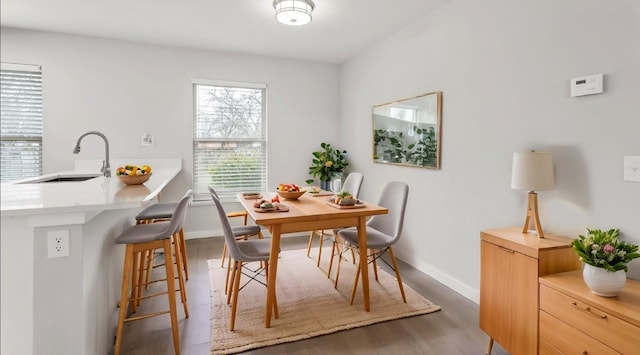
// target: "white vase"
[[602, 282]]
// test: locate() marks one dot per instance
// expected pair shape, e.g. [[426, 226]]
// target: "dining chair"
[[242, 232], [352, 184], [383, 231], [142, 238], [243, 252]]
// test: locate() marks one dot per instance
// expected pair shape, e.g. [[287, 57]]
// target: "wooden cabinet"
[[511, 264], [575, 321]]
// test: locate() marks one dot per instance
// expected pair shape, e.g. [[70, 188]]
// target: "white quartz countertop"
[[98, 194]]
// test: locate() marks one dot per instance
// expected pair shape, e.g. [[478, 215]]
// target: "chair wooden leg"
[[124, 294], [335, 284], [395, 267], [375, 263], [234, 290], [224, 254], [490, 346], [334, 247], [355, 283], [310, 242], [171, 294], [234, 270], [227, 282], [320, 247]]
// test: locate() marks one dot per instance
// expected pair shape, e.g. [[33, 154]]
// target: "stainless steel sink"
[[62, 178]]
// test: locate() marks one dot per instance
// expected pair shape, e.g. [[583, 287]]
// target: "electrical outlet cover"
[[58, 244], [632, 168]]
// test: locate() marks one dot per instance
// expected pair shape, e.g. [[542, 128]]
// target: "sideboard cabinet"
[[511, 264], [575, 321]]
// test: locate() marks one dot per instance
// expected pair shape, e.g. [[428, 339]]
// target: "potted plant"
[[605, 259], [326, 163]]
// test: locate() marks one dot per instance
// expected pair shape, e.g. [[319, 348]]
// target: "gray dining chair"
[[352, 184], [383, 231], [142, 238], [242, 252], [241, 233]]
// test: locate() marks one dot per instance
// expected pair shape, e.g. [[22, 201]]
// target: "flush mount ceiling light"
[[293, 12]]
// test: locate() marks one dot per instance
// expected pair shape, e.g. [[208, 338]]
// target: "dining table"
[[309, 212]]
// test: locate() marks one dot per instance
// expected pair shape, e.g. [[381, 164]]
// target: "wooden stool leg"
[[124, 294], [171, 294], [183, 251], [135, 288], [180, 270]]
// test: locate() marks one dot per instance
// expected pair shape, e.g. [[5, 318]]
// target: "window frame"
[[227, 195]]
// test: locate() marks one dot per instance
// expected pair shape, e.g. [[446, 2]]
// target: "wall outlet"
[[632, 168], [58, 244]]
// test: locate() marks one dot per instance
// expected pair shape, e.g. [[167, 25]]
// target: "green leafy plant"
[[327, 162], [604, 249]]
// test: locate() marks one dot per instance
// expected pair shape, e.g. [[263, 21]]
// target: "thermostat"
[[587, 85]]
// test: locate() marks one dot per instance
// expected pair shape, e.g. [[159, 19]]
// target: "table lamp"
[[532, 171]]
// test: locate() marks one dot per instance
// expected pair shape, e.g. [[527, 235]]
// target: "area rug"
[[308, 303]]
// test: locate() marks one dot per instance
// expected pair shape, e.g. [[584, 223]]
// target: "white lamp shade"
[[532, 171], [293, 12]]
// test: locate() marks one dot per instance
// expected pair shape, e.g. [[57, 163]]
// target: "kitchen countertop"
[[21, 199]]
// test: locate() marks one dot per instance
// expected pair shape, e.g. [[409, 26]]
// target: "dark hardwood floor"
[[453, 330]]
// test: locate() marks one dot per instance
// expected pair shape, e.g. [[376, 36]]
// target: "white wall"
[[123, 89], [504, 68]]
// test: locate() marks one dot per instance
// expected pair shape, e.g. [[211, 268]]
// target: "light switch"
[[147, 139], [632, 168]]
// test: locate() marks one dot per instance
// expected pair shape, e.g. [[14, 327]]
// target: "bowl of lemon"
[[133, 174]]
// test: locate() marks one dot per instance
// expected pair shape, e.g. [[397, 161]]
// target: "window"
[[229, 138], [21, 121]]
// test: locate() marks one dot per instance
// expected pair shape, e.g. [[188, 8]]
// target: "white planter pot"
[[602, 282]]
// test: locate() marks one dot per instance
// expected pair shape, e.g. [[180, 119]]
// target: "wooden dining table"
[[309, 213]]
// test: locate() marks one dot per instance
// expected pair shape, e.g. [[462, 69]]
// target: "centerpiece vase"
[[325, 185], [602, 282]]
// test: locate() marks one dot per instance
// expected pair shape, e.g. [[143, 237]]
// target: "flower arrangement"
[[604, 249], [327, 162]]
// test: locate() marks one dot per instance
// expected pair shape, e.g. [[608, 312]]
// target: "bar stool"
[[142, 238], [160, 212]]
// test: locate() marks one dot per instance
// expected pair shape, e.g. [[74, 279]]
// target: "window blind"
[[21, 121], [229, 145]]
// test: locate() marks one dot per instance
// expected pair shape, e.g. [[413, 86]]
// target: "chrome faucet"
[[106, 167]]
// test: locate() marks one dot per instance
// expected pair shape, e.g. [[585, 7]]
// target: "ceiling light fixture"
[[293, 12]]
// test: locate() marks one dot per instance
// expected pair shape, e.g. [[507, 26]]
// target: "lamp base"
[[532, 215]]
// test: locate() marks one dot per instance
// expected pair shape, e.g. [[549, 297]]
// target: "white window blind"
[[229, 144], [21, 121]]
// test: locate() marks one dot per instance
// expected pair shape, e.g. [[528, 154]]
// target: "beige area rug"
[[308, 303]]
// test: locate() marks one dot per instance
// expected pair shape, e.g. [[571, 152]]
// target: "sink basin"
[[62, 178]]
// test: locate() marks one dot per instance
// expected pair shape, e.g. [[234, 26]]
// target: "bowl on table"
[[134, 179], [290, 195]]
